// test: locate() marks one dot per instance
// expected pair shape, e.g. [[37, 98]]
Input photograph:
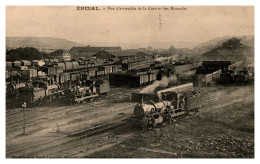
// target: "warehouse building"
[[61, 55]]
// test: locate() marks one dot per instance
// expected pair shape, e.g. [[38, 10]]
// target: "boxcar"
[[7, 74], [49, 63], [146, 78], [104, 68], [68, 66], [48, 70], [74, 76], [235, 65], [81, 64], [226, 78], [26, 63], [61, 79], [207, 79], [8, 65], [152, 77], [13, 73], [61, 65], [92, 73], [126, 66], [66, 77], [30, 73], [99, 73], [120, 79], [38, 63], [17, 64], [137, 80], [75, 65]]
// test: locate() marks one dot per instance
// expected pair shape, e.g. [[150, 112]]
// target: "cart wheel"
[[53, 97]]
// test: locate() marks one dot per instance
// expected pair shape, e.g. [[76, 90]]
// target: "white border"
[[124, 3]]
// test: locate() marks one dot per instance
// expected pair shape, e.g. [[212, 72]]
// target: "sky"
[[194, 24]]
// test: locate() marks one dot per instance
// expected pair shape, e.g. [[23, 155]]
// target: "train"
[[87, 91], [65, 76], [62, 76], [236, 77], [166, 105], [144, 76], [39, 91]]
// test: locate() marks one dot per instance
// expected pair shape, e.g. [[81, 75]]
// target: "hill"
[[41, 43], [156, 45], [247, 40], [232, 50]]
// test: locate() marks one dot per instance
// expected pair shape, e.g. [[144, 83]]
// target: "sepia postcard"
[[130, 82]]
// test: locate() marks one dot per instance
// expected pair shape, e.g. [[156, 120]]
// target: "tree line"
[[27, 53]]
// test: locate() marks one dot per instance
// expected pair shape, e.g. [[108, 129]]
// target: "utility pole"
[[24, 106]]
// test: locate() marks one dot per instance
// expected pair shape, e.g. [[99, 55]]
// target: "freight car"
[[28, 74], [236, 77], [165, 107], [88, 91], [8, 65], [132, 79], [235, 65], [227, 77], [211, 66], [16, 64], [26, 63]]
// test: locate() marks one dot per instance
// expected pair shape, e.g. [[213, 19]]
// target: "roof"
[[114, 51], [103, 55], [61, 51], [83, 54], [212, 63], [89, 51], [94, 49]]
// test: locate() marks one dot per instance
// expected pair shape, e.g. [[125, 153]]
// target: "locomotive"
[[87, 91], [155, 109], [40, 90]]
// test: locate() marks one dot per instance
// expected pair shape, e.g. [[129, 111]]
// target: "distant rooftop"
[[94, 49]]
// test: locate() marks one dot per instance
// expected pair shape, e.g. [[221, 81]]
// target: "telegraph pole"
[[24, 106]]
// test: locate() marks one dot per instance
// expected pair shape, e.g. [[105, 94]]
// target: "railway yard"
[[224, 127], [132, 107], [158, 82]]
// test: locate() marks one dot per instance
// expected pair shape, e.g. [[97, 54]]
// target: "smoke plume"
[[167, 59], [172, 80]]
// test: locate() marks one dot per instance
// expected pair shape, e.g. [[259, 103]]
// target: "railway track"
[[32, 122], [12, 112], [83, 139], [85, 149], [66, 114], [15, 123], [68, 138]]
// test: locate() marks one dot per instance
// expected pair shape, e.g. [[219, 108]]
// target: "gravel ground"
[[227, 132]]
